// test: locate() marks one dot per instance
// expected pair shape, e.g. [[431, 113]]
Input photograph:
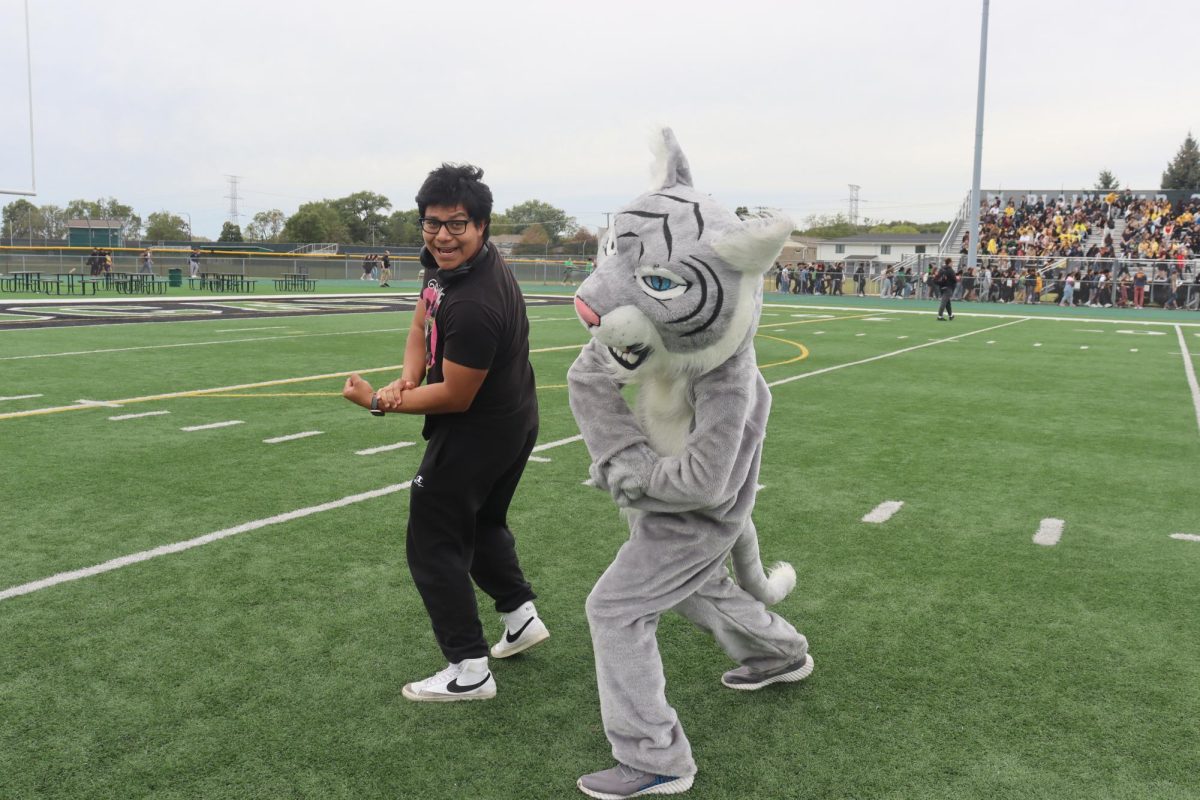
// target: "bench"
[[298, 282]]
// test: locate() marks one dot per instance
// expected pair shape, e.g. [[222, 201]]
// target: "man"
[[385, 274], [946, 279], [469, 342]]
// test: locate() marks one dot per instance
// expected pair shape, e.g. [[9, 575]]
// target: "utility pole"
[[854, 187], [232, 197]]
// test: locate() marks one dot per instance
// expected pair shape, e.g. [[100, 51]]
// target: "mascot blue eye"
[[658, 283]]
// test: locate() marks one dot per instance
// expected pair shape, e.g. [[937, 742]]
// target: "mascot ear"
[[753, 245], [670, 165]]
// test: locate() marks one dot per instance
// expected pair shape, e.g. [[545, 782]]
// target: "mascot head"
[[677, 287]]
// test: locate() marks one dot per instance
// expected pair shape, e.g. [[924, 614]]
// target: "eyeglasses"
[[456, 227]]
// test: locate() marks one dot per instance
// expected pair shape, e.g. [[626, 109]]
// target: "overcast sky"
[[779, 104]]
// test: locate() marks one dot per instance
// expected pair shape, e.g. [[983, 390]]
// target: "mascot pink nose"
[[585, 313]]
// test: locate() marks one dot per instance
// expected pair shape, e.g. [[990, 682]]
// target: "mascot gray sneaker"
[[624, 781], [672, 308]]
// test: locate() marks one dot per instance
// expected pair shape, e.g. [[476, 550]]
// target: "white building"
[[878, 250]]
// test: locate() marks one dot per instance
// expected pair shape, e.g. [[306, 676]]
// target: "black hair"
[[458, 184]]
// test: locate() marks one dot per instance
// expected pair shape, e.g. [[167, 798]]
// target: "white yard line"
[[370, 451], [1049, 532], [540, 459], [983, 315], [884, 511], [1186, 537], [21, 397], [292, 436], [262, 328], [178, 547], [1190, 370], [138, 416], [212, 425], [893, 353]]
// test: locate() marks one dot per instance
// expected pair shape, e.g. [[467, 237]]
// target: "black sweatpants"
[[944, 308], [458, 530]]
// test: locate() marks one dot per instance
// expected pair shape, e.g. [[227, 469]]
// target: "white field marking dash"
[[1133, 349], [540, 459], [1089, 330], [1083, 347], [1144, 333], [120, 417], [559, 443], [1190, 371], [1049, 532], [178, 547], [292, 436], [1037, 344], [1187, 537], [212, 425], [21, 397], [884, 511], [370, 451]]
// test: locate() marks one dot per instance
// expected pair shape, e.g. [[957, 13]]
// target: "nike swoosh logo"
[[511, 637], [454, 686]]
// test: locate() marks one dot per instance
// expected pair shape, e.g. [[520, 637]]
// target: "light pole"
[[973, 242], [189, 216]]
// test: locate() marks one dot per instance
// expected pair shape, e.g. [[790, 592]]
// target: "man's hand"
[[391, 397], [357, 390]]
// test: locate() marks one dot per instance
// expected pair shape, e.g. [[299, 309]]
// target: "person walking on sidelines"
[[386, 273], [469, 344], [946, 279]]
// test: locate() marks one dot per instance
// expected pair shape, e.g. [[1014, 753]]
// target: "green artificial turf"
[[954, 657]]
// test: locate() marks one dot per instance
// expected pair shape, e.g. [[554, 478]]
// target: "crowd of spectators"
[[1070, 252], [1154, 229]]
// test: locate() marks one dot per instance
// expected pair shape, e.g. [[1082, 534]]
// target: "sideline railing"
[[344, 266]]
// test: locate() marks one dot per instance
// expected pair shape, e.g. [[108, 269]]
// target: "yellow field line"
[[278, 394], [228, 391], [803, 351]]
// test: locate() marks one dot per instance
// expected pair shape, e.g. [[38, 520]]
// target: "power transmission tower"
[[232, 197], [854, 187]]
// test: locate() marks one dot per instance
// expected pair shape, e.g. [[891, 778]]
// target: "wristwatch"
[[375, 409]]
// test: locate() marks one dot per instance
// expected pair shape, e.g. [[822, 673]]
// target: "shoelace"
[[629, 773], [447, 674]]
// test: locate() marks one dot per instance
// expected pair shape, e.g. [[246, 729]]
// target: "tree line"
[[361, 218]]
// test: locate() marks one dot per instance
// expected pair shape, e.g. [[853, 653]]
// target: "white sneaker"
[[469, 679], [522, 630]]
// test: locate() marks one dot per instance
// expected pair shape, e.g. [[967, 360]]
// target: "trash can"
[[175, 277]]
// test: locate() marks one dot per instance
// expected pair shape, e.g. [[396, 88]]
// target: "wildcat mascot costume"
[[672, 307]]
